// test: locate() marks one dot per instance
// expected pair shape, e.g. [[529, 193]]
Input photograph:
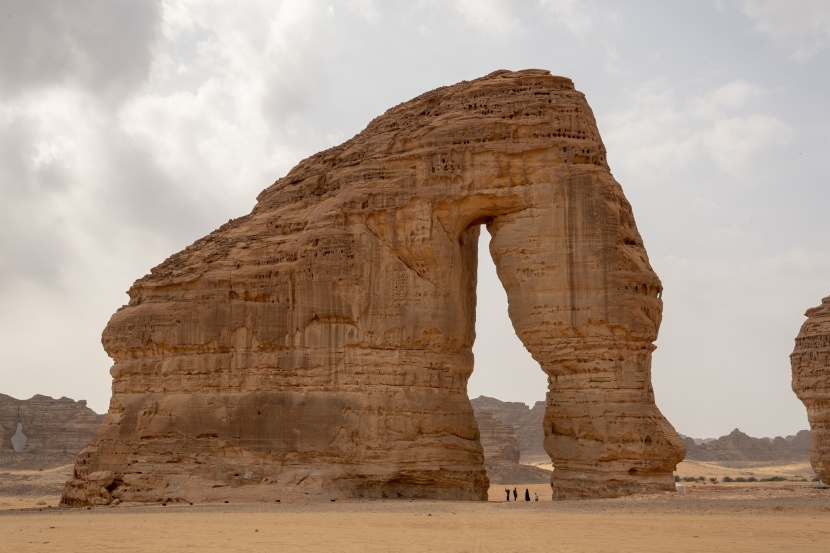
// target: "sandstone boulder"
[[321, 345], [811, 382]]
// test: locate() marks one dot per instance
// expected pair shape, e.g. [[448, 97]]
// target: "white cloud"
[[240, 126], [104, 47], [734, 95], [571, 13], [733, 143], [663, 131], [706, 206], [801, 26], [368, 9], [735, 237], [579, 17], [491, 15], [652, 136]]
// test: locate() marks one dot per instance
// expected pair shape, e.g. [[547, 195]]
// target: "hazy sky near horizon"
[[128, 129]]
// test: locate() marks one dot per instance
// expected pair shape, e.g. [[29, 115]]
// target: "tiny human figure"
[[536, 496], [527, 494], [515, 494], [507, 491]]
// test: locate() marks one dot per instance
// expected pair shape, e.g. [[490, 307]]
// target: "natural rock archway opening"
[[321, 345], [505, 386], [503, 368]]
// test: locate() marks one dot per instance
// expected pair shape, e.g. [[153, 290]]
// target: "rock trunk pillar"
[[586, 304]]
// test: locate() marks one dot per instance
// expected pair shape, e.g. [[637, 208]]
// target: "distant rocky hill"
[[55, 431], [738, 446], [508, 433], [526, 423]]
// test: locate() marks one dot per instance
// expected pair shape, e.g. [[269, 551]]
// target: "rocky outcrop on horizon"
[[810, 362], [737, 446], [55, 430], [321, 345]]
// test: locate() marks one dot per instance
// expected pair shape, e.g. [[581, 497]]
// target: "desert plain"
[[758, 516]]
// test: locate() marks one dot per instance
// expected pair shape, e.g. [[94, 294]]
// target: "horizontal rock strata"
[[811, 382], [321, 345]]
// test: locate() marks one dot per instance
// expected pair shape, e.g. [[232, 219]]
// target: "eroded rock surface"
[[321, 345], [811, 382]]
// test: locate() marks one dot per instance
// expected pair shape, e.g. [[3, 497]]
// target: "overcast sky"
[[128, 129]]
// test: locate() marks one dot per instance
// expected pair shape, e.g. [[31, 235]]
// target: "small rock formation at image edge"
[[320, 346], [811, 382]]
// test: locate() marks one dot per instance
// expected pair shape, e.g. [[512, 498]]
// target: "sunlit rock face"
[[811, 382], [321, 345]]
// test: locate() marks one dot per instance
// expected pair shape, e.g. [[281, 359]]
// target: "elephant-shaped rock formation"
[[321, 345], [811, 382]]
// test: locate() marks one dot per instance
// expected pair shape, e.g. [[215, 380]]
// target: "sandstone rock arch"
[[322, 343]]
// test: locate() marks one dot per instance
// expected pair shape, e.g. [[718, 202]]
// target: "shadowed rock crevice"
[[321, 345]]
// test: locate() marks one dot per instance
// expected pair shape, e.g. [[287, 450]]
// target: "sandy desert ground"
[[779, 516]]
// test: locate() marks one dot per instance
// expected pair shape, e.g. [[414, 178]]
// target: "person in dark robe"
[[527, 494], [515, 495], [507, 491]]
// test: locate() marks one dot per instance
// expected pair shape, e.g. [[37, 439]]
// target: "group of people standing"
[[516, 494]]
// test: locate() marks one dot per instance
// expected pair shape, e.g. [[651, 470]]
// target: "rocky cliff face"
[[55, 430], [498, 440], [811, 382], [738, 446], [322, 344]]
